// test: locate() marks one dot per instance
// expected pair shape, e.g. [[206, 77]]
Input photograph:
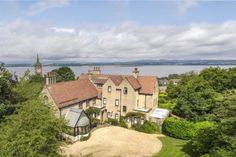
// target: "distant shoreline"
[[119, 65]]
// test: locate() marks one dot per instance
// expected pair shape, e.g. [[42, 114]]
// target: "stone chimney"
[[51, 78], [96, 70], [135, 72]]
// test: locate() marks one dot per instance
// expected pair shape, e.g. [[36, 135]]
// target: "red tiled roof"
[[147, 84], [134, 82], [65, 93]]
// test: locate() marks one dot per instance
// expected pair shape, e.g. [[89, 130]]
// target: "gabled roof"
[[133, 82], [67, 93], [147, 84], [77, 117]]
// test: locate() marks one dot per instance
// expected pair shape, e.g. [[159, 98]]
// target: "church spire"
[[38, 67], [37, 58]]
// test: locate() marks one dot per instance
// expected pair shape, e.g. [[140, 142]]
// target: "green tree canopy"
[[33, 131], [64, 74]]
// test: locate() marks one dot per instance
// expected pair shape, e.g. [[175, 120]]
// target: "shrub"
[[147, 127], [85, 138], [123, 123], [113, 121], [183, 129], [94, 122]]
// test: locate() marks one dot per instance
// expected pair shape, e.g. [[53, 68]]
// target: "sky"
[[112, 30]]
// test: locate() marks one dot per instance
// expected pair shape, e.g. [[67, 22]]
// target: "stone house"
[[114, 95]]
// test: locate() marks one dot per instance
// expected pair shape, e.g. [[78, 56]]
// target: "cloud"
[[185, 5], [42, 5], [22, 40]]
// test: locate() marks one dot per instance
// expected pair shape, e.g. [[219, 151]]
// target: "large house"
[[114, 95]]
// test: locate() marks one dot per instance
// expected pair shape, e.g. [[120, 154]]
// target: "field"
[[171, 147]]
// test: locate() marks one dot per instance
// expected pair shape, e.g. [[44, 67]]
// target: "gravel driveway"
[[116, 142]]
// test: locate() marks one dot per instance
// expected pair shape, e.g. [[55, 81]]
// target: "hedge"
[[147, 127], [183, 129]]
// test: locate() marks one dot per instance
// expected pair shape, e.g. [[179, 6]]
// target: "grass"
[[172, 147], [168, 105]]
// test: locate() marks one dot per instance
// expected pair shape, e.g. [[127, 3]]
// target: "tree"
[[218, 141], [196, 100], [64, 74], [6, 93], [33, 131]]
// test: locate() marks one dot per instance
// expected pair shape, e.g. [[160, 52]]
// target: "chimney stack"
[[51, 78], [135, 72], [96, 70]]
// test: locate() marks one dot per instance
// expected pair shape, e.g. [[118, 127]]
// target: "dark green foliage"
[[7, 94], [85, 138], [6, 85], [64, 74], [123, 123], [94, 122], [113, 121], [183, 129], [220, 140], [220, 79], [135, 114], [147, 127], [33, 131], [36, 78], [91, 111], [196, 100]]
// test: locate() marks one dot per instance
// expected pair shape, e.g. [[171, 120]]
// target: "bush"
[[95, 122], [147, 127], [123, 123], [85, 138], [113, 121], [183, 129]]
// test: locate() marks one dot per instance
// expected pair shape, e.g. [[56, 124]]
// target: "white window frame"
[[109, 89], [104, 102], [117, 102]]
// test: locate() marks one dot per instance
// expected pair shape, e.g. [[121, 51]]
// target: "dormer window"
[[125, 91], [109, 89]]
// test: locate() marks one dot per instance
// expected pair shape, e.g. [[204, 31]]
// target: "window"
[[137, 103], [109, 89], [125, 91], [124, 109], [116, 116], [104, 101], [117, 102]]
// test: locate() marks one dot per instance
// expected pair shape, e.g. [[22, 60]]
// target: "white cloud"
[[42, 5], [185, 5], [22, 40]]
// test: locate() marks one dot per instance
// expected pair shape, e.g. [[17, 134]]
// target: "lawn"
[[172, 147]]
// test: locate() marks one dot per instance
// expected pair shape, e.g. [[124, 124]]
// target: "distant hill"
[[140, 63]]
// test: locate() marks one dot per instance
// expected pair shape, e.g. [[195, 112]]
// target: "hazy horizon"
[[102, 31]]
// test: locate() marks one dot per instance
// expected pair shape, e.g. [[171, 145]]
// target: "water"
[[155, 70]]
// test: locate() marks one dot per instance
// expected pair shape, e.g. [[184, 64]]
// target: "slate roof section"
[[77, 117], [66, 93]]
